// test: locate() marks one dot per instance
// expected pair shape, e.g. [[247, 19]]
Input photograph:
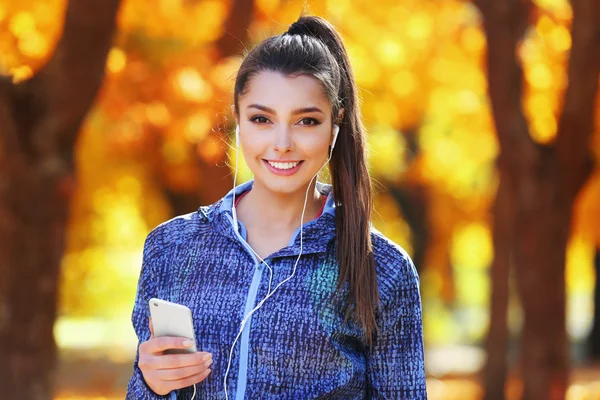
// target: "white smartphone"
[[172, 319]]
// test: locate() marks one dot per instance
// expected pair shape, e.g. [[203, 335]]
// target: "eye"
[[259, 119], [309, 121]]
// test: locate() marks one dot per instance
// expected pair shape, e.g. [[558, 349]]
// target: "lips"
[[285, 171], [283, 164]]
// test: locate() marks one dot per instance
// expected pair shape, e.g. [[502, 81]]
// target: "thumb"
[[151, 328]]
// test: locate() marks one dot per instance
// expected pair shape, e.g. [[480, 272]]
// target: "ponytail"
[[351, 184]]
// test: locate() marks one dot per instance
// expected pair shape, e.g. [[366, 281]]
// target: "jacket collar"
[[316, 234]]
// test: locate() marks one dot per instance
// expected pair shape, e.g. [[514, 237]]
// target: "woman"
[[339, 316]]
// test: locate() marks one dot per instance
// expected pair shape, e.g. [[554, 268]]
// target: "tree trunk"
[[497, 340], [412, 200], [542, 225], [34, 213], [544, 181], [40, 119]]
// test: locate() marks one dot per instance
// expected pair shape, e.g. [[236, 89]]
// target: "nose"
[[283, 140]]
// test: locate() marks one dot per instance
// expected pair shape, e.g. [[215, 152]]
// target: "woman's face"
[[285, 130]]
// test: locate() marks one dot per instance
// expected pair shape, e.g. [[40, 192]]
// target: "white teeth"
[[285, 165]]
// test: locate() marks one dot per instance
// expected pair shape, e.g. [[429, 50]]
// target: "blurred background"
[[154, 144]]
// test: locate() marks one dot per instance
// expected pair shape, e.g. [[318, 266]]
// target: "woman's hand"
[[166, 372]]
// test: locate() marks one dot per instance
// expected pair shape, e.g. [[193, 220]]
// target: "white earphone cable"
[[269, 293], [237, 160]]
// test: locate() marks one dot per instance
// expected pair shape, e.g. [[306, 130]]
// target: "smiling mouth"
[[283, 166]]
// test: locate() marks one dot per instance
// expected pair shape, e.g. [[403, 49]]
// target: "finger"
[[181, 383], [151, 328], [160, 344], [169, 361], [176, 374]]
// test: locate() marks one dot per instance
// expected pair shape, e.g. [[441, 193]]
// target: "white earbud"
[[237, 157], [336, 130]]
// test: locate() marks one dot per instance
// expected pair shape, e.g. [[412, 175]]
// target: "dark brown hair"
[[312, 46]]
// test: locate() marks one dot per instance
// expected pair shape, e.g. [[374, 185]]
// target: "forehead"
[[281, 92]]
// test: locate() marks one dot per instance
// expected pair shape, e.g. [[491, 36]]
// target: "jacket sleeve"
[[395, 364], [137, 389]]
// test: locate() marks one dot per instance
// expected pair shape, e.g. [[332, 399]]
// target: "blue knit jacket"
[[296, 345]]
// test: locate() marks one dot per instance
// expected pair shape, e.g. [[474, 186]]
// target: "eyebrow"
[[294, 112]]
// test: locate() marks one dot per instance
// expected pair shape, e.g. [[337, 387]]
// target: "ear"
[[340, 116]]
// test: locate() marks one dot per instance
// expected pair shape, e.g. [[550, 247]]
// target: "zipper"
[[250, 304]]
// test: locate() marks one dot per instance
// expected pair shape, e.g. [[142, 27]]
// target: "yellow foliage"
[[560, 9], [473, 40], [387, 148], [559, 39], [28, 32], [403, 83], [21, 24], [391, 53], [419, 26], [539, 76], [222, 75], [267, 6], [117, 60], [544, 54], [192, 85], [420, 67], [198, 127], [158, 114], [472, 246], [388, 219], [439, 325], [21, 73], [580, 266]]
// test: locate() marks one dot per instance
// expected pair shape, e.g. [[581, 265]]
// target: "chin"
[[282, 185]]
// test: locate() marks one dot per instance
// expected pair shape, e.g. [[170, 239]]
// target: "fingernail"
[[187, 343], [208, 363], [207, 357]]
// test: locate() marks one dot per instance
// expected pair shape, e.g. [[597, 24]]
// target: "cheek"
[[253, 147], [315, 145]]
